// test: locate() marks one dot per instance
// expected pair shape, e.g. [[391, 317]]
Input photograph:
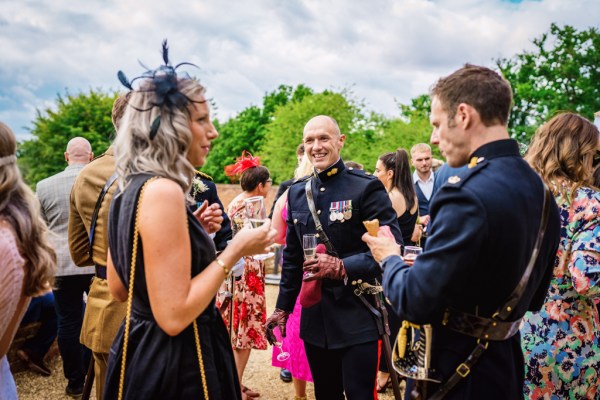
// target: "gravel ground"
[[259, 375]]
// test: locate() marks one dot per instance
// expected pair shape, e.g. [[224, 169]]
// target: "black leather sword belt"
[[479, 327]]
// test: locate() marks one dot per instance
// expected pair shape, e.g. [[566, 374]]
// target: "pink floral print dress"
[[560, 342]]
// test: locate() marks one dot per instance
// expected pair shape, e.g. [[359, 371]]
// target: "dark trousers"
[[351, 370], [41, 309], [70, 307]]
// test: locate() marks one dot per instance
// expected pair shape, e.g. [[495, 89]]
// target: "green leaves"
[[86, 114], [561, 74]]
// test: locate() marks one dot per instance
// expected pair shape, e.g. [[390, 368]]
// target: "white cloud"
[[385, 50]]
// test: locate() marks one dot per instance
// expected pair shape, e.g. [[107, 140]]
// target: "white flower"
[[198, 187]]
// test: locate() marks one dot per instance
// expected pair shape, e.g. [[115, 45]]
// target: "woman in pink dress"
[[297, 363], [249, 301], [27, 261]]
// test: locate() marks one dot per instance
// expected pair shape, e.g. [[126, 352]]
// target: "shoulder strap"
[[311, 205], [107, 186], [513, 299]]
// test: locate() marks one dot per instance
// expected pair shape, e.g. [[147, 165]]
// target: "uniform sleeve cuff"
[[386, 259]]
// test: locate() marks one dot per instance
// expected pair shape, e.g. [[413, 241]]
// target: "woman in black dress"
[[175, 342], [393, 170]]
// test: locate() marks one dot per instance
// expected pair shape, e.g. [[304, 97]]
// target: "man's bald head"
[[325, 122], [79, 151], [323, 141]]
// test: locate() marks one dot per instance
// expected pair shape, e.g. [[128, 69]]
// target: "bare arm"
[[278, 222], [398, 202], [177, 299]]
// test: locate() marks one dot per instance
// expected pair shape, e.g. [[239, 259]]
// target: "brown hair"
[[118, 109], [561, 149], [20, 208], [253, 176], [481, 88], [397, 162]]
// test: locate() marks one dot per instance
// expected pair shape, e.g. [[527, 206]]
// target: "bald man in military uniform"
[[339, 332], [485, 223]]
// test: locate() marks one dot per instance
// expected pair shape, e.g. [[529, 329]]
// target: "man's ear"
[[342, 139], [465, 116], [66, 156]]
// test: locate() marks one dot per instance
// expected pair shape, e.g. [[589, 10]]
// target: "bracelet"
[[226, 270]]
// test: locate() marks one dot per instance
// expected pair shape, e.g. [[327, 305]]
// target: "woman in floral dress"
[[560, 342], [249, 301]]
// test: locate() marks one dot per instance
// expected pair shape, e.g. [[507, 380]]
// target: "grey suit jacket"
[[54, 194]]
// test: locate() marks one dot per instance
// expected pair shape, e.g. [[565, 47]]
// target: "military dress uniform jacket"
[[484, 226], [340, 319], [103, 314]]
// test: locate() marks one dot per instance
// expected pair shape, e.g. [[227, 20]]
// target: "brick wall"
[[227, 192]]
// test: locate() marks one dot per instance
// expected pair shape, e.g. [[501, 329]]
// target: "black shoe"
[[285, 375], [74, 392], [34, 363]]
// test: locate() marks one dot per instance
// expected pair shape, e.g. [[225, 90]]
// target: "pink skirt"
[[297, 364]]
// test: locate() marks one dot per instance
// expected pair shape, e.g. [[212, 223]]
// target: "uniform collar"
[[497, 148], [332, 171]]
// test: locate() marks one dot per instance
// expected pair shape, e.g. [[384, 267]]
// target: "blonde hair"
[[420, 148], [561, 150], [304, 168], [166, 154], [20, 208]]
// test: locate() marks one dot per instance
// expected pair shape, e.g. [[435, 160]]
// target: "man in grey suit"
[[71, 281]]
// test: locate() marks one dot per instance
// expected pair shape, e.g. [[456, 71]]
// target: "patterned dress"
[[249, 301], [560, 342]]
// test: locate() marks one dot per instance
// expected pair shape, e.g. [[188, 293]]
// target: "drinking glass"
[[283, 355], [411, 252], [309, 244], [255, 210]]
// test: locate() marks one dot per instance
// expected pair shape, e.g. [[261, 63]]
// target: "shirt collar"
[[417, 178]]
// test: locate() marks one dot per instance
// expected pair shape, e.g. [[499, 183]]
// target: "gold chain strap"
[[130, 300]]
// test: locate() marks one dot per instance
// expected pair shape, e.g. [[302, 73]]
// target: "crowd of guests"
[[175, 284]]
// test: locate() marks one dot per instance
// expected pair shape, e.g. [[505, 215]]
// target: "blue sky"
[[387, 51]]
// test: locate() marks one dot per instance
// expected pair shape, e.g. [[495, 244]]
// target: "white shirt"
[[426, 186]]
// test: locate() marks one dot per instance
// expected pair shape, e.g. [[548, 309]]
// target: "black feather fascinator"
[[164, 84]]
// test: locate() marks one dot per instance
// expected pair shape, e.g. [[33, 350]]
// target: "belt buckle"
[[463, 370]]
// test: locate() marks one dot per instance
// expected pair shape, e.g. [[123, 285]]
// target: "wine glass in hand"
[[255, 210], [309, 244]]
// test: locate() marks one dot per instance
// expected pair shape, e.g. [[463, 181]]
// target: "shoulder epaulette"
[[204, 176], [360, 172], [303, 179], [458, 181]]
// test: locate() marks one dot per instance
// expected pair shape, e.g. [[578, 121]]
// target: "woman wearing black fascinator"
[[173, 343]]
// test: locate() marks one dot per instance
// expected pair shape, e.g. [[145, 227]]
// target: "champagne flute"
[[283, 355], [309, 244], [255, 211]]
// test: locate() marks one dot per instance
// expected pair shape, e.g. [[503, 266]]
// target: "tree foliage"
[[246, 131], [86, 114], [560, 74]]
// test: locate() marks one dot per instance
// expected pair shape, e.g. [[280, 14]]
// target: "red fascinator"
[[242, 163]]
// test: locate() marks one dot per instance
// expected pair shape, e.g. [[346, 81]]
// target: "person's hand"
[[250, 241], [381, 246], [324, 266], [424, 220], [277, 319], [417, 233], [209, 216]]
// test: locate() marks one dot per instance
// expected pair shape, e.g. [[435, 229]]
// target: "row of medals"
[[337, 215]]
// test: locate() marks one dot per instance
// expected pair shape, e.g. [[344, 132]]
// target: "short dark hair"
[[481, 88], [253, 176]]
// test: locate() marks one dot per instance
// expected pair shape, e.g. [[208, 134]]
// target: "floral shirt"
[[560, 342]]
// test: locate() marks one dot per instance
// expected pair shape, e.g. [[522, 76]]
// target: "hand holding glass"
[[283, 355]]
